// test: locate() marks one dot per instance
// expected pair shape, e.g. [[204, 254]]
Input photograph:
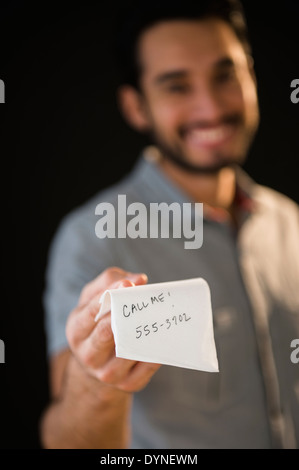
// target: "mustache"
[[232, 119]]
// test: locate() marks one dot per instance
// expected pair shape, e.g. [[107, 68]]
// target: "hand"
[[92, 343]]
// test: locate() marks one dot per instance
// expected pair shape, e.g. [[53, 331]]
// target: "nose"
[[206, 104]]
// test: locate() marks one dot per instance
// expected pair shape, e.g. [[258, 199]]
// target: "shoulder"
[[268, 202], [275, 203]]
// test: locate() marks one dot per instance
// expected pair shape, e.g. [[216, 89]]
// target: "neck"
[[217, 190]]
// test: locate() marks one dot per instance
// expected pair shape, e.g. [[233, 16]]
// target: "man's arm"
[[91, 388]]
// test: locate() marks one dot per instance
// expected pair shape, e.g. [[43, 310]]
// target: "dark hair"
[[142, 15]]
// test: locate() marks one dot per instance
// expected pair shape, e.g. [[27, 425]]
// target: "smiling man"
[[197, 98], [199, 93], [187, 80]]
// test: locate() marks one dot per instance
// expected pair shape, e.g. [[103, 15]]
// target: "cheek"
[[245, 97], [166, 117], [251, 101], [166, 113], [233, 98]]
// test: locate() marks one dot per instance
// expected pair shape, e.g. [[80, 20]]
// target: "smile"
[[210, 137]]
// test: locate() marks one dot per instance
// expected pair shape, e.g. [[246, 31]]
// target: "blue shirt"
[[179, 408]]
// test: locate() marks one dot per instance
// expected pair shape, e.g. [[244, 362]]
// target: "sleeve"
[[75, 257]]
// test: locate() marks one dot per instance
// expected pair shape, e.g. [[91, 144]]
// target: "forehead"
[[187, 44]]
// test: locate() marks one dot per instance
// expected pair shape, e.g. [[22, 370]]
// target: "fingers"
[[125, 374], [115, 370], [93, 343], [106, 279], [138, 377], [99, 346], [81, 321]]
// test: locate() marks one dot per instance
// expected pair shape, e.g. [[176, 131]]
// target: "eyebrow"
[[224, 62], [171, 75]]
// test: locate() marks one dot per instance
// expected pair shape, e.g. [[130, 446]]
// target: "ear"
[[132, 106]]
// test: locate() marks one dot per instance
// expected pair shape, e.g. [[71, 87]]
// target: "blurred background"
[[63, 139]]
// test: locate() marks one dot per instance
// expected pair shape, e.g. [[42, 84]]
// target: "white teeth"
[[208, 136]]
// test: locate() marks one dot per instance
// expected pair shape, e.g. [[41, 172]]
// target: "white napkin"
[[165, 323]]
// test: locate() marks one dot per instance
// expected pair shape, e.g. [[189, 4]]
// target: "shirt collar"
[[157, 187]]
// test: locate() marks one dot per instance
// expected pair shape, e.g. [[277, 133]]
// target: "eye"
[[225, 76], [178, 88]]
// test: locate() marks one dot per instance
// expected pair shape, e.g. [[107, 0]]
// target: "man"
[[189, 83]]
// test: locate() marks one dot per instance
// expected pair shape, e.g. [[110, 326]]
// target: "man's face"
[[198, 92]]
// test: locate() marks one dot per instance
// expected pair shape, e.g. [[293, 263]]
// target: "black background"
[[63, 139]]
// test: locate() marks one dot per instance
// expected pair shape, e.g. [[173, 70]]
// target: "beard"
[[175, 155], [178, 158]]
